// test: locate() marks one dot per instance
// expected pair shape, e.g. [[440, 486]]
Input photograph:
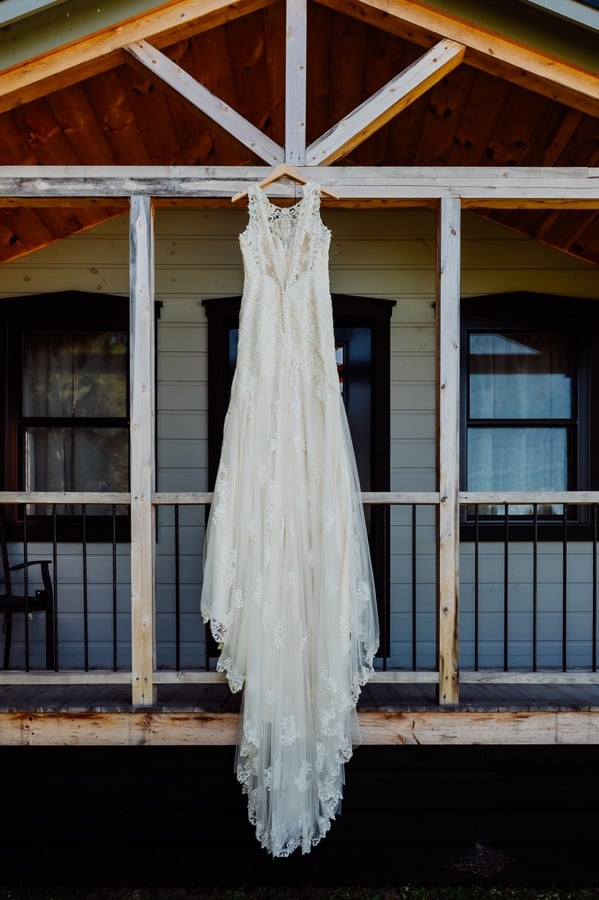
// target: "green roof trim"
[[581, 12]]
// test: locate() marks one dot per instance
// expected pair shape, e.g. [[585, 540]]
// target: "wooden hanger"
[[283, 170]]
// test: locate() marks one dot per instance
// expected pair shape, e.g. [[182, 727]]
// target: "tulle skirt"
[[289, 593]]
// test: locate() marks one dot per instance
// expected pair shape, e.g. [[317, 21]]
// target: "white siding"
[[387, 254]]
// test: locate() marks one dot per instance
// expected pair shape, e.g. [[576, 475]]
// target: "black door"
[[362, 338]]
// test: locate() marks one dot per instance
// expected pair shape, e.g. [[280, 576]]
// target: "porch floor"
[[375, 698]]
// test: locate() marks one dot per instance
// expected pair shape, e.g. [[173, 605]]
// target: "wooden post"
[[448, 412], [295, 82], [142, 473]]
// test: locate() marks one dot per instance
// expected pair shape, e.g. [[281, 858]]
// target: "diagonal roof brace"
[[386, 103], [186, 86]]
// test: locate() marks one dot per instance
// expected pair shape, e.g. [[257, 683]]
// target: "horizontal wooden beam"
[[392, 498], [534, 678], [528, 497], [563, 187], [176, 79], [81, 678], [99, 52], [50, 497], [486, 50], [150, 728], [386, 103]]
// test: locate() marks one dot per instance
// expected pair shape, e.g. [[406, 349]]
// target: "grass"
[[313, 892]]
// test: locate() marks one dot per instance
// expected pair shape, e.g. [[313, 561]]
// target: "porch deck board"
[[383, 698]]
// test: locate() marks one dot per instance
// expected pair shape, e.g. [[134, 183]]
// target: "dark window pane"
[[75, 374], [521, 375], [76, 459]]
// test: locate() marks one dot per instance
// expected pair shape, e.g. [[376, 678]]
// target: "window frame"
[[52, 312], [540, 313]]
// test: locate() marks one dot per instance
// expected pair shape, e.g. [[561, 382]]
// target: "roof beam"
[[99, 52], [477, 187], [185, 85], [485, 50], [375, 112]]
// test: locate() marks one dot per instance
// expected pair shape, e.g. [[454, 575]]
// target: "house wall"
[[387, 254]]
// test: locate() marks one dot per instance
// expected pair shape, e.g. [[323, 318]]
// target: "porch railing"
[[528, 608]]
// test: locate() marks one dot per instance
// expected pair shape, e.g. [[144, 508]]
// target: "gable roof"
[[114, 98]]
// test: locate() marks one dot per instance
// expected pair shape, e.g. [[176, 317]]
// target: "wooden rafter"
[[485, 50], [375, 112], [99, 52], [183, 84]]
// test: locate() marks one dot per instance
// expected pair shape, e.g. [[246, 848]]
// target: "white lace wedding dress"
[[288, 585]]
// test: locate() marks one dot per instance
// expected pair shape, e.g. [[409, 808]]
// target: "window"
[[67, 400], [527, 373]]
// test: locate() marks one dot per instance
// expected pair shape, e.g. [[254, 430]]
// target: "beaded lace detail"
[[288, 586]]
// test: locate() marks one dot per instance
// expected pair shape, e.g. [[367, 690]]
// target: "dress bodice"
[[285, 243], [286, 306]]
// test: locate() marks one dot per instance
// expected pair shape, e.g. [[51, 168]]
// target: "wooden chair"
[[41, 600]]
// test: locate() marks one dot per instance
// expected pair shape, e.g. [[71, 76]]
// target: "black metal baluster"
[[85, 597], [385, 636], [476, 589], [115, 625], [565, 588], [55, 580], [414, 591], [535, 585], [506, 589], [26, 590], [594, 587], [177, 594]]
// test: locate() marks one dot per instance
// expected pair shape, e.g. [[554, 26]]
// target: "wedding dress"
[[288, 585]]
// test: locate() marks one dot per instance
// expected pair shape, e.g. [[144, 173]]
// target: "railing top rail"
[[164, 498], [391, 498], [373, 498], [500, 498], [65, 498]]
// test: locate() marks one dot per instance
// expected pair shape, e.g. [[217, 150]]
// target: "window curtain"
[[515, 379], [75, 377]]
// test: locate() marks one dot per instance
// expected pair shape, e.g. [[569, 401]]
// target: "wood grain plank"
[[385, 55], [486, 50], [397, 94], [448, 405], [347, 43], [178, 80], [273, 21], [413, 727], [116, 119], [444, 107], [148, 99], [574, 186], [207, 60], [320, 22], [142, 442], [482, 108]]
